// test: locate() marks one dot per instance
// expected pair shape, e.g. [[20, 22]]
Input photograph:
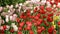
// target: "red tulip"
[[31, 32], [50, 30], [21, 24], [18, 20], [42, 7], [46, 23], [28, 14], [19, 32], [44, 16], [4, 27], [50, 14], [19, 28], [42, 28], [49, 9], [42, 11], [11, 30], [36, 17], [39, 21], [28, 28], [38, 14], [29, 23], [35, 10], [59, 23], [49, 19]]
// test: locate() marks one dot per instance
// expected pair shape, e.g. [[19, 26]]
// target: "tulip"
[[19, 32], [21, 24], [31, 32]]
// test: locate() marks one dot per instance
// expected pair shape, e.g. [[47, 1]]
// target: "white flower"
[[52, 1], [11, 6], [1, 9], [54, 5], [14, 27], [7, 18], [20, 4], [24, 10], [58, 5], [16, 5], [8, 10], [11, 17], [35, 0], [43, 2], [27, 2], [32, 11], [7, 6], [12, 24], [48, 4]]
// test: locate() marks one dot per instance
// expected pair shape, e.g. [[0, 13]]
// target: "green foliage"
[[9, 2]]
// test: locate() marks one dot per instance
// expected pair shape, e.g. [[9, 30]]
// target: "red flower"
[[4, 27], [56, 2], [11, 30], [28, 28], [49, 19], [28, 14], [44, 16], [19, 28], [39, 21], [29, 23], [31, 32], [50, 14], [49, 9], [42, 7], [35, 10], [21, 24], [42, 28], [19, 32], [39, 30], [42, 11], [36, 17], [46, 23], [50, 30], [18, 20], [38, 14], [59, 23]]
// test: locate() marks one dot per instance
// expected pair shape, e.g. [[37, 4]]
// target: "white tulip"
[[58, 5], [14, 27], [48, 4], [32, 11], [7, 18], [52, 1], [24, 10], [54, 5], [8, 10], [43, 2], [11, 17], [35, 1], [20, 4]]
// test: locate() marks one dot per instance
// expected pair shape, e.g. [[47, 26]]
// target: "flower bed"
[[31, 17]]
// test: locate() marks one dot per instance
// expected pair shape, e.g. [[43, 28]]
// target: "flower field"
[[30, 17]]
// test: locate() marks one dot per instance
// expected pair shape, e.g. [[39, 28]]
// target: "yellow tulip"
[[55, 17], [54, 26]]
